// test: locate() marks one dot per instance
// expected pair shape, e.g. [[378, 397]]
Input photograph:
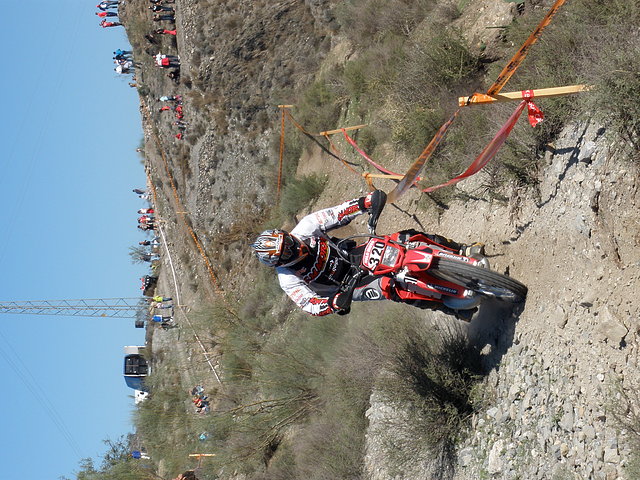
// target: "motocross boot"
[[475, 250]]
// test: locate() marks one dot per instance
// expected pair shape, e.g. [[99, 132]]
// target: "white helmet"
[[277, 248]]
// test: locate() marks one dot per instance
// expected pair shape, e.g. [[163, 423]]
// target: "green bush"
[[437, 63], [299, 192], [318, 109], [163, 421]]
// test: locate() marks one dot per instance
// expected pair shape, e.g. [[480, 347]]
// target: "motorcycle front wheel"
[[483, 281]]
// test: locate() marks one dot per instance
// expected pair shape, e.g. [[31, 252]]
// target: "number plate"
[[372, 254]]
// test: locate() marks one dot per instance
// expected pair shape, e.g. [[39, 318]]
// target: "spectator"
[[106, 4], [162, 319], [161, 305], [105, 24], [164, 31], [106, 14], [167, 61], [160, 298], [161, 8], [148, 257], [137, 454], [124, 67], [168, 17], [150, 243]]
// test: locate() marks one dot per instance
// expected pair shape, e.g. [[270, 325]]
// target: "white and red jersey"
[[311, 282]]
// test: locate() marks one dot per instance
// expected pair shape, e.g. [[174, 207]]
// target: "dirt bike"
[[419, 269]]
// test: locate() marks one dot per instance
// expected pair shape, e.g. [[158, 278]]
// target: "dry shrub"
[[364, 21], [433, 382]]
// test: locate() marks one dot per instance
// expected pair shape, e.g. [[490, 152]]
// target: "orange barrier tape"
[[181, 310], [311, 136], [282, 107], [388, 174], [352, 142], [415, 169], [520, 55], [338, 154], [489, 151]]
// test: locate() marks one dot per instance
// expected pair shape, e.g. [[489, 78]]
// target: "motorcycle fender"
[[417, 260], [453, 256]]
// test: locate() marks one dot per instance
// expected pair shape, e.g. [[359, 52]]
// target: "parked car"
[[136, 367]]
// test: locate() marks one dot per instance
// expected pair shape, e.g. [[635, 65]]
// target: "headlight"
[[390, 256]]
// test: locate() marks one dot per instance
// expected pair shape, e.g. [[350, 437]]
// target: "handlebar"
[[378, 201]]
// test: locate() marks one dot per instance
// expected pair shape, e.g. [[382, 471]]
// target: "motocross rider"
[[311, 269]]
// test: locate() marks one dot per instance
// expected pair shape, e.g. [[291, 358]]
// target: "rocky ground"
[[557, 386], [556, 367]]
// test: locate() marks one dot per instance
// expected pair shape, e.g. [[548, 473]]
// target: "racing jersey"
[[311, 282]]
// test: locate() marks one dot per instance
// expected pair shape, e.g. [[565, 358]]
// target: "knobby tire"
[[481, 280]]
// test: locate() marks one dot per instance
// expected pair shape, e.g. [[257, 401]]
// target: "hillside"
[[556, 391]]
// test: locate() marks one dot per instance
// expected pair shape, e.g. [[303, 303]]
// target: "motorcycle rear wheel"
[[483, 281]]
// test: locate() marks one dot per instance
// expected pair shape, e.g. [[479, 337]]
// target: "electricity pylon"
[[88, 307]]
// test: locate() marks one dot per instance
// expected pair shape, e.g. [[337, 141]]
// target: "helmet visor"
[[291, 251]]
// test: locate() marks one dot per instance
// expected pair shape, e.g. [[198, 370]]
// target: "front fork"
[[460, 299]]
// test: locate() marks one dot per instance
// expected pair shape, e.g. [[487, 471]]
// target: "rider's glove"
[[365, 202], [341, 303], [373, 204]]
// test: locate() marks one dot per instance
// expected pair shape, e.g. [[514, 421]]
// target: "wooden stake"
[[339, 130], [383, 175], [508, 96], [200, 455]]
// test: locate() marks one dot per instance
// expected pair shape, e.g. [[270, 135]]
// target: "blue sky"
[[70, 127]]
